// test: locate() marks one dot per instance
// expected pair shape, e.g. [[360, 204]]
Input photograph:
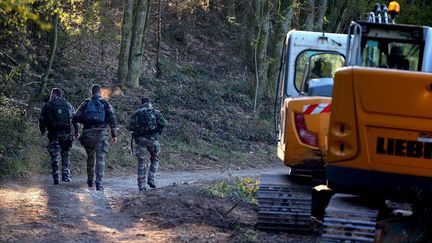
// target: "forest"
[[126, 45]]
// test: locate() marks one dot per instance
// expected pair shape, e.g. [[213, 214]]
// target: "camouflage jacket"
[[110, 117], [160, 120], [45, 124]]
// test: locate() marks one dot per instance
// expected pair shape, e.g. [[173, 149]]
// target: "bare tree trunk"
[[158, 41], [232, 10], [257, 76], [51, 56], [309, 24], [44, 83], [260, 53], [103, 27], [336, 12], [253, 18], [143, 46], [145, 26], [320, 15], [123, 67], [264, 40], [88, 3], [345, 11], [282, 26], [135, 55], [296, 22]]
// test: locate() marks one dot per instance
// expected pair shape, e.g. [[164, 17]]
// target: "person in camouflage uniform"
[[95, 135], [56, 116], [145, 132]]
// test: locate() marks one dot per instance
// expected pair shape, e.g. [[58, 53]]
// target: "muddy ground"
[[34, 210]]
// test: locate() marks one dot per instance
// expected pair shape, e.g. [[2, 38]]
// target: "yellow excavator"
[[302, 113], [379, 142], [380, 136]]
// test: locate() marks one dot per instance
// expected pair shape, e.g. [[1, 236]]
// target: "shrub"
[[244, 189]]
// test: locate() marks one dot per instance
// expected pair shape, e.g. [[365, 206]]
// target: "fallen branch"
[[151, 213], [13, 60], [35, 82], [21, 103], [25, 68], [189, 182], [151, 65], [229, 211], [217, 213], [70, 44]]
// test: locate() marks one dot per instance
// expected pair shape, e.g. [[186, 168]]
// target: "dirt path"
[[35, 210]]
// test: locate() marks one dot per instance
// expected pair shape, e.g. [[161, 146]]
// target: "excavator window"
[[311, 64], [391, 54]]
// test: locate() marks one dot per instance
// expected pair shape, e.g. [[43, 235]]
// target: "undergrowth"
[[20, 145], [209, 126], [244, 189], [204, 93], [245, 235]]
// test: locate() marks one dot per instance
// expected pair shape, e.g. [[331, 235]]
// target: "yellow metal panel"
[[404, 148], [343, 126], [392, 120], [399, 93], [291, 149]]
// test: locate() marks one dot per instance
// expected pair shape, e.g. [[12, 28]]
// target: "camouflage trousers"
[[59, 148], [152, 146], [96, 145]]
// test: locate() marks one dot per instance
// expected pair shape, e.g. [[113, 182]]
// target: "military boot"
[[154, 164], [142, 188], [56, 179], [65, 178], [90, 180], [99, 187], [151, 184], [141, 185]]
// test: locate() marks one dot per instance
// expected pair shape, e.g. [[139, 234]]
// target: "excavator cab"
[[401, 47], [319, 72], [303, 100]]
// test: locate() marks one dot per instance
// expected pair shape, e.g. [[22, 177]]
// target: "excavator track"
[[284, 204], [349, 218]]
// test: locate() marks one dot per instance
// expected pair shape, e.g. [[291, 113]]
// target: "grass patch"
[[206, 150], [240, 86], [11, 144], [168, 66], [119, 155], [35, 155], [21, 146], [245, 235], [244, 189]]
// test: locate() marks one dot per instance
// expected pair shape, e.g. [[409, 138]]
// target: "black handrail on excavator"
[[277, 102]]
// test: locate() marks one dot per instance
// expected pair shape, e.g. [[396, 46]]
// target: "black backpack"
[[144, 121], [94, 113], [59, 115]]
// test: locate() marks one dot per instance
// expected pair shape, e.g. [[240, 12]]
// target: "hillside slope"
[[205, 92]]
